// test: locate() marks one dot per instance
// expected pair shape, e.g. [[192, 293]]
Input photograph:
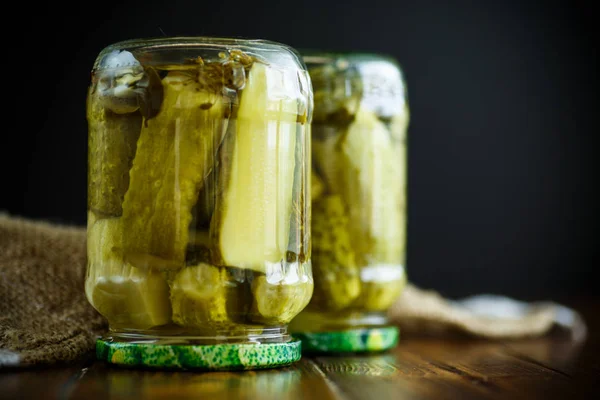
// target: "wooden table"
[[419, 368]]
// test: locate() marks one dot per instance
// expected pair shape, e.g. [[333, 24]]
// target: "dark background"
[[503, 98]]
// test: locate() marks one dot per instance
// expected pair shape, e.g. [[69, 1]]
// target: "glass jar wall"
[[198, 189], [358, 201]]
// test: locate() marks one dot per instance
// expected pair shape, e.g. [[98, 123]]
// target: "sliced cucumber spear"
[[372, 184], [252, 219]]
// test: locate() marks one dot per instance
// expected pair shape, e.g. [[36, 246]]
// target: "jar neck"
[[177, 336], [315, 321]]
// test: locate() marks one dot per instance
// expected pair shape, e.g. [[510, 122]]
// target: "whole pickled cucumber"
[[336, 274], [277, 303], [210, 298], [175, 153], [251, 222], [127, 296], [112, 142]]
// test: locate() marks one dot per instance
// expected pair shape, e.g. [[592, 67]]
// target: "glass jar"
[[358, 202], [198, 188]]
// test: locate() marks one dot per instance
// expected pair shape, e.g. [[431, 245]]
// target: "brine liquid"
[[197, 220], [358, 220]]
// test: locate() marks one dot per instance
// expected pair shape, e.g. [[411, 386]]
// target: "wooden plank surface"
[[40, 383], [551, 367], [300, 381]]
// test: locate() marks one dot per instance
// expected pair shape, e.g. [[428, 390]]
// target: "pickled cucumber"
[[175, 153], [372, 184], [278, 303], [380, 287], [127, 296], [252, 216], [210, 298], [112, 143], [336, 274]]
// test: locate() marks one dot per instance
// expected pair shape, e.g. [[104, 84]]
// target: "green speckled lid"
[[199, 357], [350, 341]]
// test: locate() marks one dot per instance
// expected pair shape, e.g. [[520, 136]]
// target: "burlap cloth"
[[46, 319]]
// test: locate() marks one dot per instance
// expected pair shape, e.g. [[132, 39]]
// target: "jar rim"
[[315, 56]]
